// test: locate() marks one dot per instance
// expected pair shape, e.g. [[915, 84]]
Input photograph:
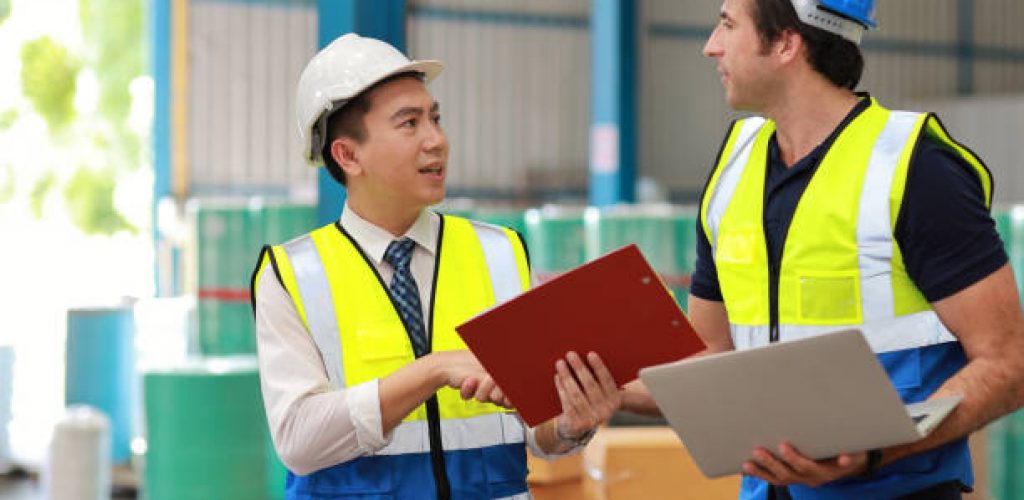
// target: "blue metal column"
[[965, 47], [381, 19], [613, 126], [160, 69]]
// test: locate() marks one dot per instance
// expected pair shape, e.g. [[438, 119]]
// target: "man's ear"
[[789, 46], [345, 152]]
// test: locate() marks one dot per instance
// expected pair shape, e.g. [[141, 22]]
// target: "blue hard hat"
[[861, 11]]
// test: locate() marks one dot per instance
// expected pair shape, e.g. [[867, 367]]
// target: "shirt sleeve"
[[704, 282], [945, 231], [313, 425]]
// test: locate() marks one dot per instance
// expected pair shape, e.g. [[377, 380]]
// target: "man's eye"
[[410, 123], [436, 119]]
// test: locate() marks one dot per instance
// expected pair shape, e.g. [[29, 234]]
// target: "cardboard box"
[[628, 463], [555, 471], [565, 490]]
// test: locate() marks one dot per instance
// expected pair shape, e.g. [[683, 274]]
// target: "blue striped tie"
[[406, 294]]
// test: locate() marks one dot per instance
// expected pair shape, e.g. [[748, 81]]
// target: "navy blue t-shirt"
[[946, 234]]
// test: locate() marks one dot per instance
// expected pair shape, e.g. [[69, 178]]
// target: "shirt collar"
[[374, 240]]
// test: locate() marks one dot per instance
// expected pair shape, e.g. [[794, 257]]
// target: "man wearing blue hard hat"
[[826, 211]]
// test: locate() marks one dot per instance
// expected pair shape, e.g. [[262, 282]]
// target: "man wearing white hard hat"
[[827, 211], [360, 364]]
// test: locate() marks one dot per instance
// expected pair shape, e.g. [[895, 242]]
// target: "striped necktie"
[[406, 294]]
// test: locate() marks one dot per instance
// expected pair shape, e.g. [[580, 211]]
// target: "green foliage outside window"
[[48, 75], [113, 51]]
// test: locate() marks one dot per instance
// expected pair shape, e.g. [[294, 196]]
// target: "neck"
[[806, 114], [392, 218]]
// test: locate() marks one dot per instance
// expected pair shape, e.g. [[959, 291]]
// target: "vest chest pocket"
[[829, 297], [383, 341]]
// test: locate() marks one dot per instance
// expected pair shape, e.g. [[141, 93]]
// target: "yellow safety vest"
[[348, 312], [840, 263]]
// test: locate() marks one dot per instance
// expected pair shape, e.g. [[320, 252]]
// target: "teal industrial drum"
[[226, 242], [225, 326], [1006, 457], [279, 221], [207, 434], [227, 238], [653, 228], [1004, 224], [685, 231], [1014, 241], [100, 369], [554, 236], [511, 218]]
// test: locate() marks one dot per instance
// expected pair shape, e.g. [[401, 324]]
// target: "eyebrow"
[[414, 111]]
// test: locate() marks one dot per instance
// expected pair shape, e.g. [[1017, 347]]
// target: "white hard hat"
[[340, 71]]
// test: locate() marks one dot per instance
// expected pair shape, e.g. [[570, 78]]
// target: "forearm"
[[991, 388], [711, 323], [987, 319], [637, 399], [408, 387]]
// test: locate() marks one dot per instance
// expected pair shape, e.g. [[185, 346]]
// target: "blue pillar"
[[613, 126], [160, 69], [965, 47], [380, 19]]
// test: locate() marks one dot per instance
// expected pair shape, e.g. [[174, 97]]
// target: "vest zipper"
[[440, 469], [437, 450], [773, 299]]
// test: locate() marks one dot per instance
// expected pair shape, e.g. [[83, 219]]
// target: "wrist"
[[436, 372], [569, 439]]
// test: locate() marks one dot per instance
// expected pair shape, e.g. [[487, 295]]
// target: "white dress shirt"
[[312, 425]]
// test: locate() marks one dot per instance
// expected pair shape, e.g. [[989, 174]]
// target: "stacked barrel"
[[207, 434]]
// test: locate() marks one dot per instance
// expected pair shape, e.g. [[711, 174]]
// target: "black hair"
[[836, 58]]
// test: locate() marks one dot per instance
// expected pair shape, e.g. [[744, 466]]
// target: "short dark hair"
[[348, 121], [835, 57]]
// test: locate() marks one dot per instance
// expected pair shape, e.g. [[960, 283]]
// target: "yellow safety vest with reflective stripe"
[[840, 263], [348, 312], [840, 266]]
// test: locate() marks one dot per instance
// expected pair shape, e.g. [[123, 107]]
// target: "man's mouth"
[[432, 170]]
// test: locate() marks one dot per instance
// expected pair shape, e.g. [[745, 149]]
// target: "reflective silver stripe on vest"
[[732, 171], [921, 329], [501, 261], [874, 230], [457, 434], [316, 299]]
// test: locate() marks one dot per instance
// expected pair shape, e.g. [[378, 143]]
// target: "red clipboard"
[[615, 305]]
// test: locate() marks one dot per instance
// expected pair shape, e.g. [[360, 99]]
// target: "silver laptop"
[[826, 395]]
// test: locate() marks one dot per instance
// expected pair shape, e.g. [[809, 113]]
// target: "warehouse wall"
[[922, 53], [515, 92], [244, 60]]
